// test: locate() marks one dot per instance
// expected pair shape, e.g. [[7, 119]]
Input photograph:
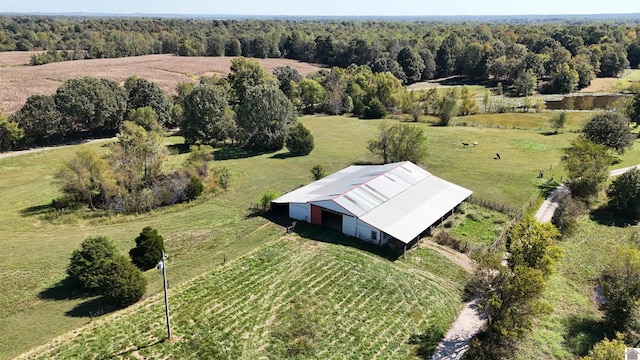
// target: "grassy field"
[[574, 325], [37, 243], [532, 121], [293, 295]]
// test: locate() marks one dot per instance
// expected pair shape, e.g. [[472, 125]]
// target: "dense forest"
[[412, 51]]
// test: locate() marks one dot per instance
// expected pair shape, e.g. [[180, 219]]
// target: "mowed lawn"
[[331, 300], [36, 246]]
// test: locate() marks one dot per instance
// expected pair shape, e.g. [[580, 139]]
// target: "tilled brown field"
[[18, 80]]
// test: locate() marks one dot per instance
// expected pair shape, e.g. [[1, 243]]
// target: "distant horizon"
[[267, 16], [324, 8]]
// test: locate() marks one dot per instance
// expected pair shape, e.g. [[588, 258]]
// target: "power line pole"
[[163, 268]]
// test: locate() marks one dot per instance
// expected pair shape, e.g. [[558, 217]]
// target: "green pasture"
[[629, 77], [339, 299], [37, 242], [532, 121]]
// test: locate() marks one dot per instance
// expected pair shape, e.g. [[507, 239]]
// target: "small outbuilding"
[[392, 204]]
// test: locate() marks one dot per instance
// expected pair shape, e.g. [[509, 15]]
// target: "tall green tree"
[[143, 93], [40, 120], [148, 250], [91, 105], [145, 117], [447, 54], [207, 116], [530, 243], [624, 193], [123, 283], [587, 165], [620, 285], [136, 160], [245, 74], [398, 142], [565, 79], [88, 265], [310, 95], [610, 129], [10, 133], [287, 78], [265, 116], [300, 140], [511, 304], [412, 64], [525, 83], [557, 121], [468, 104]]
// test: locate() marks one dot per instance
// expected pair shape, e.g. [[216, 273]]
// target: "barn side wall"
[[349, 226], [300, 211], [364, 232]]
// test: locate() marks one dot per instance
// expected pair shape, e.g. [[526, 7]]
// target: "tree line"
[[412, 51]]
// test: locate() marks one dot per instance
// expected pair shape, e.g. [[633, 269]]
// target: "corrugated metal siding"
[[411, 212], [400, 199]]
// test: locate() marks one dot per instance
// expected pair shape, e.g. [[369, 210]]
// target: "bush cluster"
[[99, 269]]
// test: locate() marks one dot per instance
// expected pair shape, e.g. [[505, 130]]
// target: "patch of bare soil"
[[455, 257], [599, 85], [18, 80]]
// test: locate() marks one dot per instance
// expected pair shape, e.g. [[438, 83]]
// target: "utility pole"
[[163, 268]]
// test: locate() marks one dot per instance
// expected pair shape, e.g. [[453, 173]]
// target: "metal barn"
[[392, 204]]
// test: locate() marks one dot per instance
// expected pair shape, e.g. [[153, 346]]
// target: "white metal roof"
[[400, 199]]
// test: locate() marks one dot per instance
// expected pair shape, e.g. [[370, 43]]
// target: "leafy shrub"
[[123, 283], [266, 199], [624, 194], [88, 265], [300, 140], [565, 216], [193, 189], [375, 110], [224, 177], [446, 239], [148, 250], [318, 172]]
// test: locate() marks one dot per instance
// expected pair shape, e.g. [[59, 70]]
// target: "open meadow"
[[37, 243], [18, 80]]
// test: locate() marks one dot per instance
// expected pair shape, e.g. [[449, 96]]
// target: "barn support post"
[[404, 253]]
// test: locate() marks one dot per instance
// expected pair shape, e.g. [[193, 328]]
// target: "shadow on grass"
[[36, 210], [327, 235], [178, 149], [91, 308], [125, 353], [604, 215], [234, 153], [426, 342], [283, 156], [65, 289], [549, 133], [582, 334], [366, 163]]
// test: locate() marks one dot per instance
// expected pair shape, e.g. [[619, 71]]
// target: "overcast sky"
[[326, 7]]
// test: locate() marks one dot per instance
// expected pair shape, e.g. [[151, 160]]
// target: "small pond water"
[[584, 102]]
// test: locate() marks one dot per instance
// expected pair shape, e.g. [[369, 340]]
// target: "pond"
[[583, 102]]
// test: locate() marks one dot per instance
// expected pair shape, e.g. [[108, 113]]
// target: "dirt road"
[[469, 321], [549, 206]]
